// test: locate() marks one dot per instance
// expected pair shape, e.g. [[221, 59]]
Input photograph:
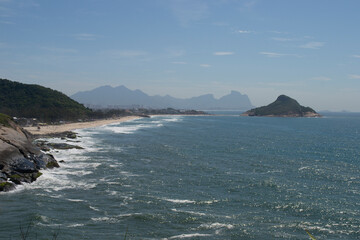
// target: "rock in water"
[[20, 159]]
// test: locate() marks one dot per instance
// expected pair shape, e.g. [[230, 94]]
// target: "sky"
[[306, 49]]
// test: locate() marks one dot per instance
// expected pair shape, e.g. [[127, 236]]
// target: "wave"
[[190, 235], [76, 225], [131, 127], [75, 200], [178, 200], [216, 225], [189, 212]]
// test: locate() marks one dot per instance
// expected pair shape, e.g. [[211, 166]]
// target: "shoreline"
[[66, 127]]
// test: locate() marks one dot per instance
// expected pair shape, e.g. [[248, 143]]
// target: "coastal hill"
[[20, 159], [28, 100], [284, 106], [122, 97]]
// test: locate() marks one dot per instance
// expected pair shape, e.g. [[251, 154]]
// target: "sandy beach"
[[51, 129]]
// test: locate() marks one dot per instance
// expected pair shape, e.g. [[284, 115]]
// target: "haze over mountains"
[[122, 97]]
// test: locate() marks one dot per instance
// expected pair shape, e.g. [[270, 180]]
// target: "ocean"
[[198, 177]]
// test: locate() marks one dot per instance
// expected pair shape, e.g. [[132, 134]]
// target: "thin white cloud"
[[179, 63], [321, 78], [279, 39], [205, 65], [59, 50], [274, 54], [173, 52], [247, 5], [85, 36], [278, 32], [313, 45], [221, 24], [223, 53], [4, 45], [356, 56], [6, 12], [354, 76], [187, 11], [7, 22], [123, 53], [29, 3], [281, 84], [243, 31]]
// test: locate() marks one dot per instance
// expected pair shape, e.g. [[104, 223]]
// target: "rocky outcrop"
[[20, 159]]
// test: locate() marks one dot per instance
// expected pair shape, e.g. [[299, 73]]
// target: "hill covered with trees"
[[284, 106], [35, 101]]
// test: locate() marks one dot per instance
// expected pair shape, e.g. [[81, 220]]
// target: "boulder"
[[6, 186], [20, 159], [63, 146]]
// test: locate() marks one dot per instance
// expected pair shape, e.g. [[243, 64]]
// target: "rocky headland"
[[20, 160], [284, 106]]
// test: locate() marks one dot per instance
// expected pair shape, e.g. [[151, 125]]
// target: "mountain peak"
[[233, 92], [284, 98]]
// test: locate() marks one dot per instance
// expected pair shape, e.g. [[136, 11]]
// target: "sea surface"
[[198, 177]]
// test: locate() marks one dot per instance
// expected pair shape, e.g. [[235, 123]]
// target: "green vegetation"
[[51, 106], [16, 178], [4, 120], [34, 101], [4, 185], [311, 236], [283, 106], [52, 165], [37, 175]]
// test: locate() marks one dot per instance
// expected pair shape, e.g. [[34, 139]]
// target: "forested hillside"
[[34, 101]]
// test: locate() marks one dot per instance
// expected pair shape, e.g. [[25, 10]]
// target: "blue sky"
[[307, 49]]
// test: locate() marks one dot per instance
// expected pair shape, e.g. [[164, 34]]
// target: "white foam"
[[76, 225], [128, 215], [191, 235], [303, 168], [178, 200], [103, 219], [209, 201], [216, 226], [122, 129], [94, 208], [44, 219], [57, 180], [75, 200], [190, 212], [129, 129], [173, 119], [127, 174]]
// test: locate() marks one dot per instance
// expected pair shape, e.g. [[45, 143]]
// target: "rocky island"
[[284, 106], [20, 159]]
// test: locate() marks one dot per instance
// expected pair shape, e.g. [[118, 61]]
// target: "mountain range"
[[122, 97]]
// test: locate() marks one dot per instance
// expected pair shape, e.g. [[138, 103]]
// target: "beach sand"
[[52, 129]]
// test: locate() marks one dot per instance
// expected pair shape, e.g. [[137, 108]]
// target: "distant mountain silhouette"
[[122, 97]]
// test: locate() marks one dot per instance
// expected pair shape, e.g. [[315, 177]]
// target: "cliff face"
[[20, 160]]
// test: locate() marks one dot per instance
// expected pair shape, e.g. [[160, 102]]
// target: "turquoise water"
[[203, 177]]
